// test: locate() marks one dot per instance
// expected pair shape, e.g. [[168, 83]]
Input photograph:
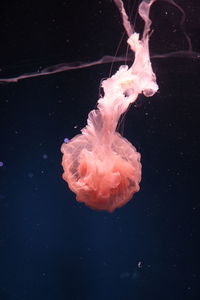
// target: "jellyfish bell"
[[103, 176]]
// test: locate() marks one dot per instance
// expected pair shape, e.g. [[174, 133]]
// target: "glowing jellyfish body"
[[100, 166]]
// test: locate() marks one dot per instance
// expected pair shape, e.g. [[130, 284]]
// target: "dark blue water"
[[53, 248]]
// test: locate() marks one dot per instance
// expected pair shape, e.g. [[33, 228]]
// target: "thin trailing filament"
[[144, 13]]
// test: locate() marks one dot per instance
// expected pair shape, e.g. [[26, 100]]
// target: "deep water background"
[[52, 247]]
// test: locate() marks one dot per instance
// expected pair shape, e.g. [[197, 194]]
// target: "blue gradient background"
[[52, 247]]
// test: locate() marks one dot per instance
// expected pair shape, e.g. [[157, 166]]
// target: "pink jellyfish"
[[100, 166]]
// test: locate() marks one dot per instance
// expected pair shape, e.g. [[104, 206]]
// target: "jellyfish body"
[[100, 166], [103, 176]]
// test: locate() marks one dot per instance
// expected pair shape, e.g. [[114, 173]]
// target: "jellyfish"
[[100, 166]]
